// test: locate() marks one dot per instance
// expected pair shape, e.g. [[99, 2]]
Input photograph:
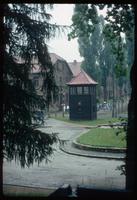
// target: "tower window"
[[79, 90], [85, 90]]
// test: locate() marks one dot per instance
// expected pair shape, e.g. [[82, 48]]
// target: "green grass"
[[103, 138], [86, 122]]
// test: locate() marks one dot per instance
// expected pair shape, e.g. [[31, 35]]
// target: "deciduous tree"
[[120, 19]]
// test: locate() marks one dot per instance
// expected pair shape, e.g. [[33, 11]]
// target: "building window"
[[85, 90], [72, 90], [79, 90]]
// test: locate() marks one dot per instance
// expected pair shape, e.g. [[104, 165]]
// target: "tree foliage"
[[89, 47], [84, 20], [94, 48], [27, 28], [119, 20]]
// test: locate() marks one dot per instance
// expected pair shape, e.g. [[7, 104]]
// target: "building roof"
[[34, 62], [54, 57], [75, 67], [82, 79]]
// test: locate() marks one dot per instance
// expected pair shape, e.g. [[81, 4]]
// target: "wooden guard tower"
[[82, 97]]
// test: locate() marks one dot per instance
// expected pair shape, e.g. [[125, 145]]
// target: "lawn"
[[103, 138], [86, 122]]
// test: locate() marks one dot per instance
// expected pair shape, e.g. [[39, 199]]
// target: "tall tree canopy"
[[98, 58], [120, 19], [89, 47], [27, 28]]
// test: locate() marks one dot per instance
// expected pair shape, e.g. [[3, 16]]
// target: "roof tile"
[[82, 79]]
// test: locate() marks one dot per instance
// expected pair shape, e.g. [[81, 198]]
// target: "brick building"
[[63, 73]]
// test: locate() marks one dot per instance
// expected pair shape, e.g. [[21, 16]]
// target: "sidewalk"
[[26, 191]]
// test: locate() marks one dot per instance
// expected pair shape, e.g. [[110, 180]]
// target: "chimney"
[[75, 62]]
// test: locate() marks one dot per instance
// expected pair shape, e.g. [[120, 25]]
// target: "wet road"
[[64, 168]]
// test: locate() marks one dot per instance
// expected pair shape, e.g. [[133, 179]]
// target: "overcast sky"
[[62, 14], [68, 50]]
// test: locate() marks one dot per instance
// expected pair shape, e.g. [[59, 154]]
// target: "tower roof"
[[82, 79]]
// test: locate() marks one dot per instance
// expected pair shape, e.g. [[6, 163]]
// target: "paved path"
[[66, 168], [66, 131]]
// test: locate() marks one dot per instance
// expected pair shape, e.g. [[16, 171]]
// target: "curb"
[[91, 156], [99, 149]]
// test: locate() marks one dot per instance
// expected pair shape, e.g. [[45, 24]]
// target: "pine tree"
[[27, 28]]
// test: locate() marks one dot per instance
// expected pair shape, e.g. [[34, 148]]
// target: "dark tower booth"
[[82, 97]]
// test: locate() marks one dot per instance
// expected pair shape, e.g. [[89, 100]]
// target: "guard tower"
[[82, 97]]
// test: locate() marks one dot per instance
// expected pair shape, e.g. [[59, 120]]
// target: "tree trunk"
[[105, 91], [131, 170]]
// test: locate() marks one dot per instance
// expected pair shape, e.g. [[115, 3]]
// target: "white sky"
[[68, 50], [62, 14]]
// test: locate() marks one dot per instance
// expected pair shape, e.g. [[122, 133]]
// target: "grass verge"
[[103, 138], [87, 122]]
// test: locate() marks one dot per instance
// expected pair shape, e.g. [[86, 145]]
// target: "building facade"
[[62, 75]]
